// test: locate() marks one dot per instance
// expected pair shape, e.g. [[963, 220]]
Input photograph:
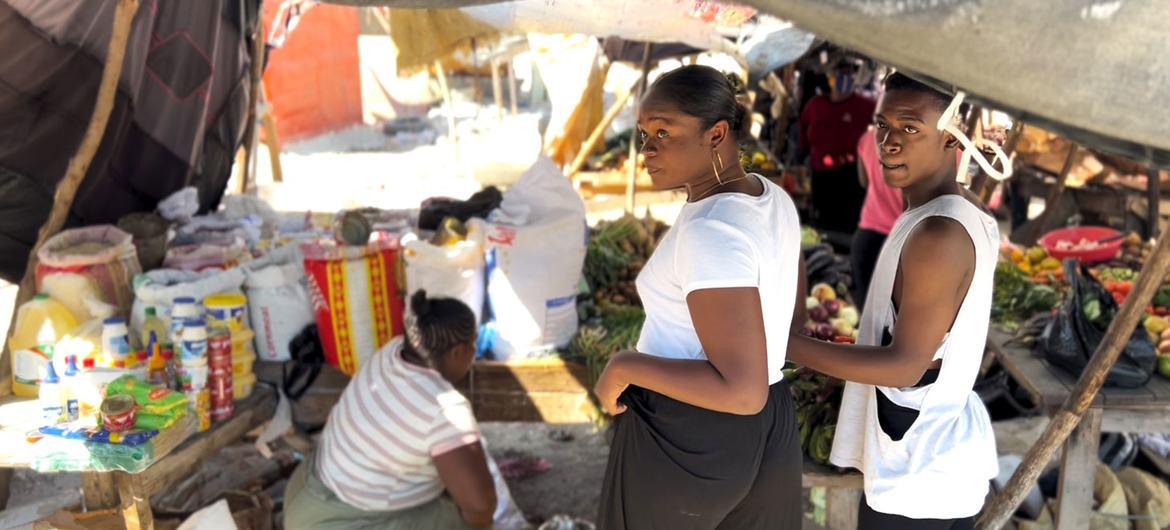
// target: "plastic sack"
[[1072, 336], [534, 271], [1148, 498], [1112, 510], [278, 304], [158, 289], [454, 272], [356, 300], [208, 256], [103, 256]]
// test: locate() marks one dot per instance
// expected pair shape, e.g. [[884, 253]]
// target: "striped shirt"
[[392, 420]]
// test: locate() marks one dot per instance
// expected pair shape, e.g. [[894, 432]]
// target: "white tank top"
[[942, 466]]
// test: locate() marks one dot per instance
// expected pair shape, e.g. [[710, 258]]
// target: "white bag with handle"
[[450, 272], [278, 301], [535, 251]]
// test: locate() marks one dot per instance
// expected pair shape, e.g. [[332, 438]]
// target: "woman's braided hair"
[[435, 326]]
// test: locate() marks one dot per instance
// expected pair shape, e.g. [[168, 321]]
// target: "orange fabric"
[[313, 82]]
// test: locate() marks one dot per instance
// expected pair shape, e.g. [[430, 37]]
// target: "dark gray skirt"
[[673, 466]]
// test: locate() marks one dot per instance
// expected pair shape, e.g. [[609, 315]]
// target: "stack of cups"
[[219, 347], [193, 371]]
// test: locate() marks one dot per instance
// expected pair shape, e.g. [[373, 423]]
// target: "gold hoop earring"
[[718, 171]]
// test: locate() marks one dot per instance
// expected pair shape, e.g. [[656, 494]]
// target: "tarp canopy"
[[1096, 71], [178, 115]]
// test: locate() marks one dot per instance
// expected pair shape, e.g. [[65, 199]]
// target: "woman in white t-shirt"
[[401, 449], [704, 434]]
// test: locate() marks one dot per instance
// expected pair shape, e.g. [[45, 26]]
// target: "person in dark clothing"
[[830, 126]]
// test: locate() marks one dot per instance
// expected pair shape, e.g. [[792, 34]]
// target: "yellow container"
[[230, 309], [40, 323], [242, 386]]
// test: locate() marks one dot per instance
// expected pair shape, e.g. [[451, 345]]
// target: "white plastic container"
[[116, 348], [183, 309], [193, 345], [51, 400]]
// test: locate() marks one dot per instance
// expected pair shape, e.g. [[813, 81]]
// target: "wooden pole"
[[67, 188], [446, 90], [497, 88], [246, 173], [1033, 230], [1062, 424], [599, 131], [1153, 201], [512, 87], [632, 182], [79, 164], [268, 122]]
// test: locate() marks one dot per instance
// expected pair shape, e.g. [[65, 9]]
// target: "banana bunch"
[[816, 397]]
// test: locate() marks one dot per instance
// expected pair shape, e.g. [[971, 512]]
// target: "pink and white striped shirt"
[[392, 420]]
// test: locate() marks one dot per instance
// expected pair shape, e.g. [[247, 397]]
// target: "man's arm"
[[937, 265]]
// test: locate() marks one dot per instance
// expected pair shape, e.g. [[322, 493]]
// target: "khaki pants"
[[310, 505]]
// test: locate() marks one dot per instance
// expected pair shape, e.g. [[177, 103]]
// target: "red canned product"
[[118, 413], [219, 380]]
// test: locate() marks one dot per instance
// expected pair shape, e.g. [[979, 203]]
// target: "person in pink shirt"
[[883, 204]]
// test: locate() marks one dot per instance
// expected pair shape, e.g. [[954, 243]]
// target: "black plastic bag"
[[479, 205], [1072, 336]]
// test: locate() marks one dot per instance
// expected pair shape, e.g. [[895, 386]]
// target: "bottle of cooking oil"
[[40, 323]]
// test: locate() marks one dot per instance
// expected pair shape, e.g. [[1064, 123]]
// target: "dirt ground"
[[577, 454]]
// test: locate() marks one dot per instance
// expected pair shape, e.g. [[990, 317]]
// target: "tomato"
[[1110, 285], [1124, 287], [1119, 298], [1149, 309]]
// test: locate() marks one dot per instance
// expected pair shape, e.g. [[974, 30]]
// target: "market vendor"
[[830, 126], [928, 453], [705, 434], [402, 449]]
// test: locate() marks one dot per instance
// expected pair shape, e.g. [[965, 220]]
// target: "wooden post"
[[1033, 230], [246, 173], [79, 163], [99, 490], [268, 122], [512, 87], [497, 88], [446, 90], [1153, 201], [599, 131], [1078, 471], [1091, 379], [632, 182], [135, 503]]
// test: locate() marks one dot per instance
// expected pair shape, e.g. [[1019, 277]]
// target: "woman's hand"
[[612, 383]]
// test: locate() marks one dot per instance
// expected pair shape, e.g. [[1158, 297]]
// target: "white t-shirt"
[[724, 241], [377, 451]]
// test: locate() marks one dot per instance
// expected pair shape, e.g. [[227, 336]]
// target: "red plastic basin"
[[1074, 235]]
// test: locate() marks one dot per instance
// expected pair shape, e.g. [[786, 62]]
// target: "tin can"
[[219, 379], [118, 413], [222, 402], [201, 407], [219, 347]]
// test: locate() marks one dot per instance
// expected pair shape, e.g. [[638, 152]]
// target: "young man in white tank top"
[[909, 419]]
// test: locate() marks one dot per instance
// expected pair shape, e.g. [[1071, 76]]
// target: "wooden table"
[[1145, 409], [176, 456]]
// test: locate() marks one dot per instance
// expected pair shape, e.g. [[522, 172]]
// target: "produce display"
[[1030, 284], [817, 396], [616, 253]]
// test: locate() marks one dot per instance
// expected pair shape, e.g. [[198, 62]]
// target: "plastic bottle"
[[116, 352], [40, 323], [183, 308], [51, 400], [152, 324], [72, 407]]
